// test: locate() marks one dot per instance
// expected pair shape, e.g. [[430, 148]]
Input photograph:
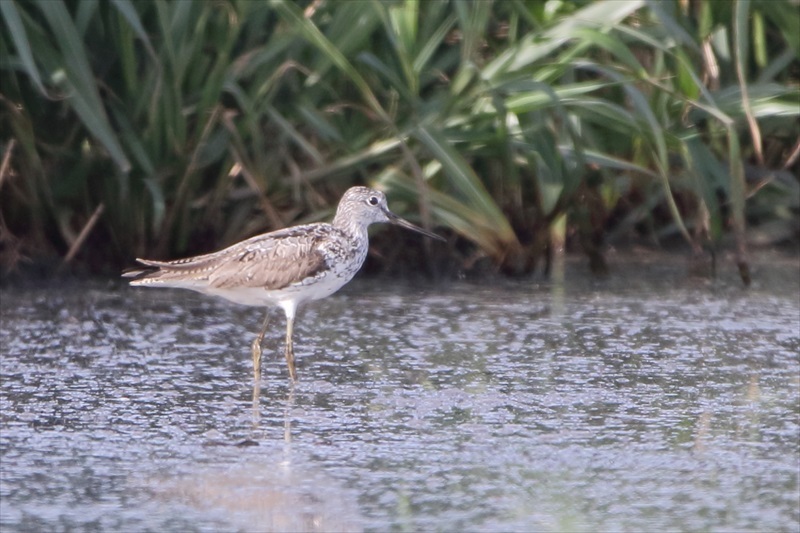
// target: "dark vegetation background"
[[162, 129]]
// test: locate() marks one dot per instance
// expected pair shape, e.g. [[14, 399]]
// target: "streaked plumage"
[[284, 268]]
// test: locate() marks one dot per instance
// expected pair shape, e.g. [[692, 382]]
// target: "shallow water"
[[649, 401]]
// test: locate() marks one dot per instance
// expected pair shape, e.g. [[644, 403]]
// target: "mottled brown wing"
[[272, 264], [271, 261]]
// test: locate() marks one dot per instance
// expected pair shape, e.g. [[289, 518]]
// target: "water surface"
[[648, 401]]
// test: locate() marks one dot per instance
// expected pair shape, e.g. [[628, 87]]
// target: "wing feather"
[[270, 261]]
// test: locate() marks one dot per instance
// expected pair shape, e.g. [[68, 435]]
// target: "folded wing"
[[271, 261]]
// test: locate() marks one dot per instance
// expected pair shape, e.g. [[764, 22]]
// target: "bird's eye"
[[373, 200]]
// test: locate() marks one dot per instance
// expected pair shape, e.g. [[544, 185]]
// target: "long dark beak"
[[397, 221]]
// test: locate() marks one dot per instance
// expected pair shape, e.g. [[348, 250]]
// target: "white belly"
[[311, 289]]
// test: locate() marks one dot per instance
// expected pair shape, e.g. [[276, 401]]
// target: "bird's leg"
[[290, 346], [256, 411], [257, 348]]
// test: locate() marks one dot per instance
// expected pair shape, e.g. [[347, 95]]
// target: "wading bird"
[[284, 268]]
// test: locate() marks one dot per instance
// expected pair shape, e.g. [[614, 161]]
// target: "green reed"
[[184, 126]]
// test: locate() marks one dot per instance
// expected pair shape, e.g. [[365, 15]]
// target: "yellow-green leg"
[[290, 346], [257, 349]]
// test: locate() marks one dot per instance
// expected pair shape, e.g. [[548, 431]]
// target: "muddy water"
[[651, 400]]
